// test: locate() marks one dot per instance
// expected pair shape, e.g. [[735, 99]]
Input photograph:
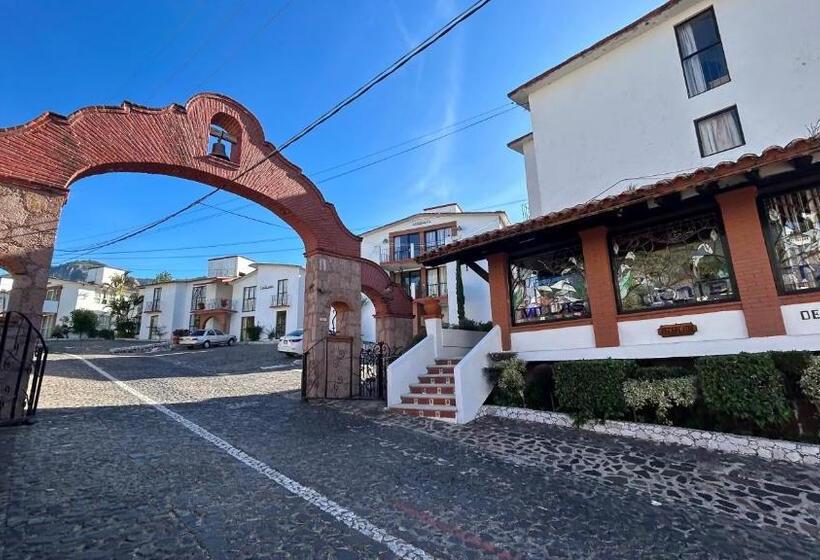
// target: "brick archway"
[[41, 159]]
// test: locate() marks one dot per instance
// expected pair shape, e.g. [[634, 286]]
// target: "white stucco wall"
[[265, 277], [627, 114]]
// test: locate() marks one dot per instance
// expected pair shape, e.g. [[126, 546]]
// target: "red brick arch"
[[53, 151]]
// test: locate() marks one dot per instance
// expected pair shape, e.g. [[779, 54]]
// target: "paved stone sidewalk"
[[102, 475], [766, 493]]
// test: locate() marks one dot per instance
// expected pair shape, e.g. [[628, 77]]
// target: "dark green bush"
[[792, 364], [743, 387], [655, 373], [506, 374], [253, 332], [106, 334], [539, 387], [591, 389]]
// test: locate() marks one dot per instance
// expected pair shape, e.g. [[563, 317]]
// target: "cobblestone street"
[[211, 454]]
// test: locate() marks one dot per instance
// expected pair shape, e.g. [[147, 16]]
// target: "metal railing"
[[151, 307], [436, 290], [23, 354], [249, 304], [280, 300], [398, 253], [213, 304]]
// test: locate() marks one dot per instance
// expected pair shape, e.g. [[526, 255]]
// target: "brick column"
[[600, 290], [500, 306], [750, 261]]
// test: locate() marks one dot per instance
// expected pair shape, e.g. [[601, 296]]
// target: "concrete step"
[[433, 388], [447, 361], [435, 378], [442, 400], [446, 413]]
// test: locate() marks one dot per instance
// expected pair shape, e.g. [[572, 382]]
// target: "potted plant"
[[200, 305], [224, 303]]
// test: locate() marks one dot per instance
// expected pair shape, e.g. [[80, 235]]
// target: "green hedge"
[[592, 389], [743, 387], [810, 382], [661, 372], [792, 364]]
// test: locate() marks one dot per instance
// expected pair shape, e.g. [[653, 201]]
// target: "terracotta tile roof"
[[685, 181]]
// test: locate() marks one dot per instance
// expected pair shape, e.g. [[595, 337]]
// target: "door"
[[152, 327], [281, 322], [246, 322]]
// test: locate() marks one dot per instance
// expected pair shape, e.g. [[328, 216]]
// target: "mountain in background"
[[75, 270]]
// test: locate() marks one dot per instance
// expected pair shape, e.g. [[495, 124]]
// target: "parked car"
[[291, 343], [207, 338]]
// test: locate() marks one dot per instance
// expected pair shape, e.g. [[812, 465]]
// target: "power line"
[[380, 77], [413, 148], [411, 140]]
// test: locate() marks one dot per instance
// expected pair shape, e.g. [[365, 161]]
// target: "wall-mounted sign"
[[810, 314], [421, 222], [678, 329]]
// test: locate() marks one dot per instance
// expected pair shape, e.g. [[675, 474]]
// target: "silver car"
[[207, 338]]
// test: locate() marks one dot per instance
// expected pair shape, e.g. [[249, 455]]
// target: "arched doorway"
[[40, 160]]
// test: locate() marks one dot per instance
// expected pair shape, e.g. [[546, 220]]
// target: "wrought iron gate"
[[373, 362], [23, 354], [367, 381]]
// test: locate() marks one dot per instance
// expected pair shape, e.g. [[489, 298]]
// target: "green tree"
[[163, 276], [462, 314], [84, 322], [122, 312], [121, 284]]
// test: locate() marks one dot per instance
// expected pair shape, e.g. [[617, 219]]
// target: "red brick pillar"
[[600, 290], [750, 261], [500, 306]]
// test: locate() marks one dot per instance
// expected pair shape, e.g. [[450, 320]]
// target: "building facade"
[[237, 293], [689, 85], [722, 254], [397, 245]]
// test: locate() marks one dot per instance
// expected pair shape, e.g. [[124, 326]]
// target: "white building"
[[236, 293], [6, 282], [394, 246], [691, 84]]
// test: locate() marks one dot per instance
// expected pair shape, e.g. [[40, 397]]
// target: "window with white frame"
[[701, 52], [719, 132]]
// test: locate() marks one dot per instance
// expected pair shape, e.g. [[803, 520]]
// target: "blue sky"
[[288, 61]]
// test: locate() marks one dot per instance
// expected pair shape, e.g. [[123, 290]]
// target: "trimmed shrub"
[[792, 364], [84, 322], [538, 392], [650, 373], [106, 334], [592, 389], [743, 387], [810, 382], [661, 395]]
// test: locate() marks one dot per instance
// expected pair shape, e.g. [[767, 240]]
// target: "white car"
[[207, 338], [291, 343]]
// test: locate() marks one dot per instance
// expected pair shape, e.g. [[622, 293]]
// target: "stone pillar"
[[28, 226], [600, 289], [750, 262], [394, 330], [500, 303], [332, 361]]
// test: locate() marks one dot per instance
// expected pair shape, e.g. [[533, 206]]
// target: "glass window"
[[719, 132], [51, 294], [411, 281], [436, 281], [672, 264], [704, 63], [549, 286], [249, 298], [792, 223], [436, 238], [406, 246]]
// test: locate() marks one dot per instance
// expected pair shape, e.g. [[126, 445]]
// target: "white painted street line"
[[397, 546]]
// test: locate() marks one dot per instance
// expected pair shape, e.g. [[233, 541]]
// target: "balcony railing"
[[436, 290], [280, 300], [398, 253], [213, 305], [249, 304], [151, 307]]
